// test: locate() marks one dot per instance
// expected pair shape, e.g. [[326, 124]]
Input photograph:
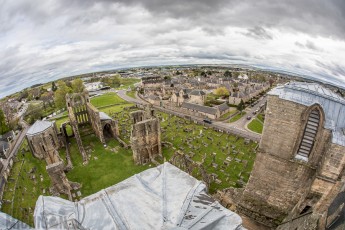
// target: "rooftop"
[[148, 200], [104, 116], [309, 94], [38, 127], [198, 93], [200, 108]]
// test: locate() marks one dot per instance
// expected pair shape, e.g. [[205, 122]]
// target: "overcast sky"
[[43, 40]]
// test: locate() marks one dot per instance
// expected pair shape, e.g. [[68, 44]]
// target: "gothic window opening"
[[309, 135]]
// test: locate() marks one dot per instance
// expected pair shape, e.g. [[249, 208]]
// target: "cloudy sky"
[[43, 40]]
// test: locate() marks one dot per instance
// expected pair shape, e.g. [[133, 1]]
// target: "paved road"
[[226, 127], [122, 94], [242, 123], [19, 141]]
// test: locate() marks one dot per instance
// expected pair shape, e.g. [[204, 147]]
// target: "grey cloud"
[[308, 45], [57, 38], [258, 32], [313, 16]]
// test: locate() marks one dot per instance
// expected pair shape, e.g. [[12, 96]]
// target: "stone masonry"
[[44, 144], [283, 185], [145, 136]]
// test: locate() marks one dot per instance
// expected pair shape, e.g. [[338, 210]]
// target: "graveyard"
[[227, 158]]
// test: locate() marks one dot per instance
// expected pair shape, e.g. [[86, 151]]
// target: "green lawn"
[[60, 121], [107, 166], [111, 110], [25, 191], [232, 111], [260, 117], [237, 117], [256, 125], [131, 94], [107, 99], [128, 82]]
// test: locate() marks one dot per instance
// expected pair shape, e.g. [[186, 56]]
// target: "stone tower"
[[43, 141], [145, 136], [299, 168]]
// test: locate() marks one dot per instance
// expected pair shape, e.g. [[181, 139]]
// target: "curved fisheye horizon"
[[172, 114], [302, 74], [47, 41]]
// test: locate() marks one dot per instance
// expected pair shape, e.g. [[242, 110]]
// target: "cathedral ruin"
[[299, 168], [82, 112], [145, 136], [44, 143]]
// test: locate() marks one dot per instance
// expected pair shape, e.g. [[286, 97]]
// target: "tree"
[[23, 94], [240, 106], [47, 98], [54, 87], [221, 91], [3, 124], [33, 113], [227, 73], [113, 81], [60, 94], [78, 86]]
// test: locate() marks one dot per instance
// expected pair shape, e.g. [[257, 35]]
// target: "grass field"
[[256, 126], [107, 99], [21, 191], [131, 94], [232, 111], [128, 82], [112, 164], [107, 166], [237, 117]]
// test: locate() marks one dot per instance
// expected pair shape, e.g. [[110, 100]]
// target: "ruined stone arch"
[[312, 121], [78, 99], [107, 131]]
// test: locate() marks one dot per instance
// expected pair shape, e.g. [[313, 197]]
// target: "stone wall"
[[95, 121], [145, 137]]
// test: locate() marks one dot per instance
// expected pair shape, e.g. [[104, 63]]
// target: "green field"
[[131, 94], [128, 82], [237, 117], [112, 164], [226, 115], [21, 191], [256, 125], [107, 99]]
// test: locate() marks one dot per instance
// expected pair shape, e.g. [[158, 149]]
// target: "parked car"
[[207, 121]]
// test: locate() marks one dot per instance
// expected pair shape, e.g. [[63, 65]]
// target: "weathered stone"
[[145, 136]]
